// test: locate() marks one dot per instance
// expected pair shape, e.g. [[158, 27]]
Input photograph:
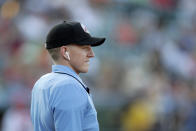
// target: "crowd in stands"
[[142, 78]]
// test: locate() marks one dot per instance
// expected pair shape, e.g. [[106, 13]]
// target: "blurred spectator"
[[17, 117], [167, 5]]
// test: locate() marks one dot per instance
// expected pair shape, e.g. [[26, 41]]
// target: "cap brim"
[[93, 41]]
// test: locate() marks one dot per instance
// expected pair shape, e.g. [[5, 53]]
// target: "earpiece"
[[67, 54]]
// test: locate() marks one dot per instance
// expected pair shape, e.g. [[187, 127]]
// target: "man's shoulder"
[[67, 84], [54, 77], [46, 77], [56, 81]]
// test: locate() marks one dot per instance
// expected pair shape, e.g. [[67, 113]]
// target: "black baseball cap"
[[70, 32]]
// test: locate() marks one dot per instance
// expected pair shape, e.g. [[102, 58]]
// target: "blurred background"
[[142, 78]]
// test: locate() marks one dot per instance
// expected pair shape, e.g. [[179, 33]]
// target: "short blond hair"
[[54, 53]]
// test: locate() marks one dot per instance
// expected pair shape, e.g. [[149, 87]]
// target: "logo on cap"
[[84, 28]]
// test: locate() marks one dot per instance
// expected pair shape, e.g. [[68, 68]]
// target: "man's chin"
[[84, 71]]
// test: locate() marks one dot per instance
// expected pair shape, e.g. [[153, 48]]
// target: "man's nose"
[[91, 53]]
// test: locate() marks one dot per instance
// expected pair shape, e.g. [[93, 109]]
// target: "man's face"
[[79, 57]]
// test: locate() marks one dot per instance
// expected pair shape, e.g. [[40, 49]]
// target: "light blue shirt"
[[60, 103]]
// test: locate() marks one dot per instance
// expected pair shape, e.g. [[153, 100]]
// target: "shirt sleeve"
[[68, 104]]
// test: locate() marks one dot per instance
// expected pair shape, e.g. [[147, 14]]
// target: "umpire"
[[60, 100]]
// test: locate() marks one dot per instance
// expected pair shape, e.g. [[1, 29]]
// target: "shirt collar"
[[66, 69]]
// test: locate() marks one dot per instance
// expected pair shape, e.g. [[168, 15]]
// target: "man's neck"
[[65, 63]]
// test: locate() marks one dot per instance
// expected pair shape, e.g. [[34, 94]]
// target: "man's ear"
[[67, 55], [64, 52]]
